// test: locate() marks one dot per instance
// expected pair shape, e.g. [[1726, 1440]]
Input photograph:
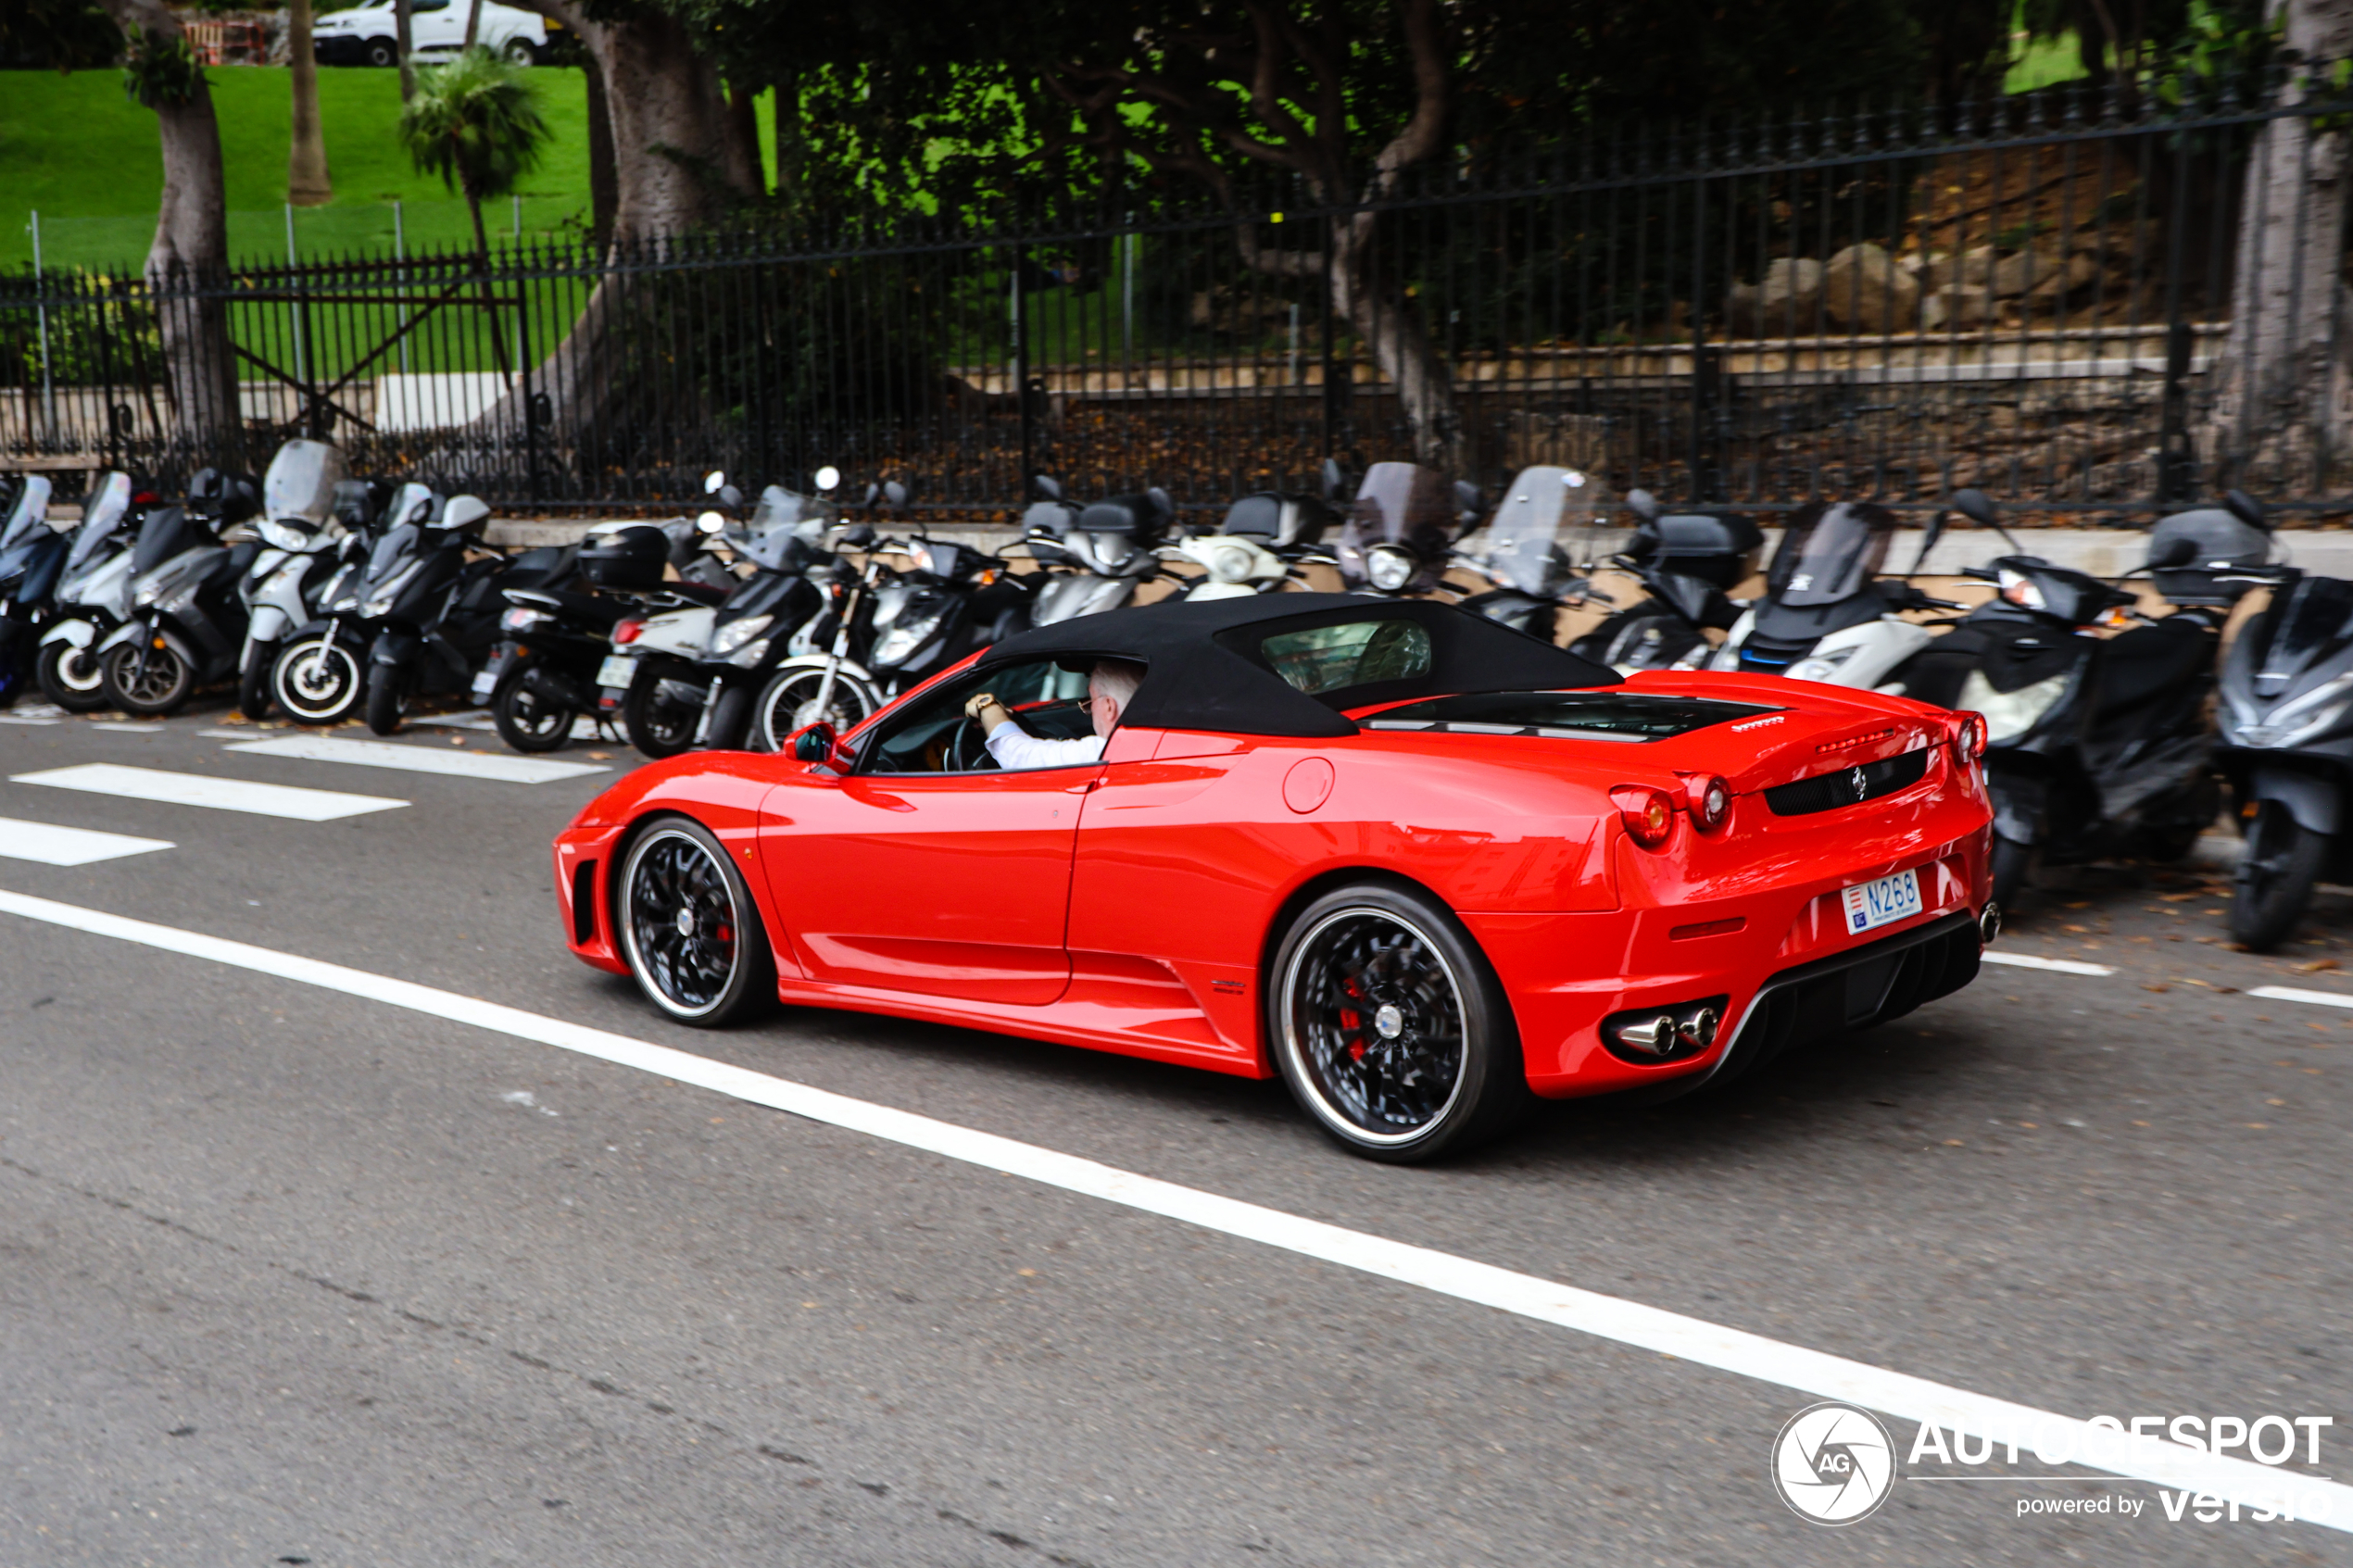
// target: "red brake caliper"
[[1352, 1022]]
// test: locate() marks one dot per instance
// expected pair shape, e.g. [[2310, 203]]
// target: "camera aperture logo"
[[1834, 1463]]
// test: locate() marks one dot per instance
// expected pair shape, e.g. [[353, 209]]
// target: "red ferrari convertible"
[[1419, 863]]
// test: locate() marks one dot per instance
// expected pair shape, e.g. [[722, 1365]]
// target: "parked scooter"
[[2095, 747], [32, 559], [1687, 562], [1401, 530], [542, 678], [1826, 615], [1260, 547], [321, 675], [187, 620], [93, 598], [308, 504], [1096, 555], [2286, 743], [782, 543]]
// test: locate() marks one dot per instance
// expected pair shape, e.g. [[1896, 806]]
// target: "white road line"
[[127, 728], [21, 719], [1812, 1373], [54, 846], [220, 795], [2057, 966], [420, 759], [224, 735], [2290, 993]]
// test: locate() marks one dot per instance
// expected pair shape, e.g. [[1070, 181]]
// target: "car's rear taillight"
[[1968, 738], [1649, 814], [626, 631], [1708, 800]]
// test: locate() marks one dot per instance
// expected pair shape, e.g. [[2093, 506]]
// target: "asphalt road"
[[292, 1276]]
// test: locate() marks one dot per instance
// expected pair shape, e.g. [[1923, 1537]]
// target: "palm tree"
[[475, 122], [306, 180]]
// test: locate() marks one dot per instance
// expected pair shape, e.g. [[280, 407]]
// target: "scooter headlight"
[[1388, 567], [749, 656], [379, 606], [2011, 714], [1228, 563], [906, 634], [735, 634], [1822, 666], [344, 605], [147, 594]]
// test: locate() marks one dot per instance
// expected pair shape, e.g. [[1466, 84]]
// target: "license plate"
[[485, 682], [1871, 905], [617, 670]]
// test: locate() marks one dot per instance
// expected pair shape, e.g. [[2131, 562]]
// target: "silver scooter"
[[94, 597], [300, 526]]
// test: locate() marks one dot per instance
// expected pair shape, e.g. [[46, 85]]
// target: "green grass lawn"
[[75, 150]]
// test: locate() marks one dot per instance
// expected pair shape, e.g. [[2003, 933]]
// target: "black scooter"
[[187, 622], [543, 676], [1688, 563], [2097, 746]]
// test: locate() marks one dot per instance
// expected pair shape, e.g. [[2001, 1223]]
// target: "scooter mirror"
[[1642, 503], [1047, 485], [730, 496], [1334, 480], [712, 480], [2246, 508], [814, 743], [1928, 537], [895, 493], [1976, 506], [1162, 503], [828, 478], [711, 522]]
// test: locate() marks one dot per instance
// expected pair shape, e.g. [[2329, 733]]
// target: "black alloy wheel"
[[253, 682], [1391, 1028], [2283, 859], [318, 680], [529, 720], [70, 677], [689, 928], [157, 684]]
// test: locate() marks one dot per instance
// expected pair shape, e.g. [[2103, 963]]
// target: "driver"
[[1110, 687]]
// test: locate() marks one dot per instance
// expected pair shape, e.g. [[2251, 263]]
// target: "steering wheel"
[[968, 749]]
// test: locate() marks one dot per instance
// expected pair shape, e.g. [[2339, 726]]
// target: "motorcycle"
[[33, 558], [433, 597], [308, 504], [1401, 529], [93, 596], [542, 678], [1096, 556], [321, 674], [1262, 543], [187, 620], [752, 633], [1687, 563], [1826, 615], [2096, 745]]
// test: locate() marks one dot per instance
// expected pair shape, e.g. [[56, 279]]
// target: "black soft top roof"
[[1204, 670]]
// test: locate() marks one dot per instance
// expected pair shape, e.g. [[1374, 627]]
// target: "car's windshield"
[[1524, 539], [301, 482], [100, 515], [1828, 555]]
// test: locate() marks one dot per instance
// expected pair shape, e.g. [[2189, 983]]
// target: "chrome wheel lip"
[[1294, 1048], [627, 921]]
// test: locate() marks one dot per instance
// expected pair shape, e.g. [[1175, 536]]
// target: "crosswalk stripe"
[[223, 795], [420, 759], [54, 846], [21, 719], [153, 727]]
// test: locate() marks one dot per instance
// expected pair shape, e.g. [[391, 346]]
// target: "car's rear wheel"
[[1389, 1027], [689, 928]]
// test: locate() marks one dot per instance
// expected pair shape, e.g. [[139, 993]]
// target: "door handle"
[[1084, 788]]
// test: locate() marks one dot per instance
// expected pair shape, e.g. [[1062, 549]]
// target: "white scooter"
[[94, 597], [300, 525], [1826, 615]]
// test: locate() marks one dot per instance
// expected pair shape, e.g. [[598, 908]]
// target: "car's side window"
[[935, 736]]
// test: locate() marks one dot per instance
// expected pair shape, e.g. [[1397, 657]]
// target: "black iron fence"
[[2078, 300]]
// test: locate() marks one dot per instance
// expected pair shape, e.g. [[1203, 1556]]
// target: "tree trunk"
[[473, 23], [188, 263], [306, 180], [403, 42], [604, 193], [2285, 381], [1392, 331]]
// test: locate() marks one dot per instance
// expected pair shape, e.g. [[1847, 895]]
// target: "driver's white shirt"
[[1015, 747]]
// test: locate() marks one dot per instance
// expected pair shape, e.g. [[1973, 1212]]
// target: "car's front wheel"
[[1389, 1027], [689, 928]]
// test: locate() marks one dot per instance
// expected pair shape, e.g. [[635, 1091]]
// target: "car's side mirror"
[[816, 743]]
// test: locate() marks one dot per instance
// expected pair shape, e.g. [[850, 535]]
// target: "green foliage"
[[105, 335], [160, 72], [475, 125], [62, 34]]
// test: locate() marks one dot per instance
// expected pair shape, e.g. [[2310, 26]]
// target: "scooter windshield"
[[1828, 553], [32, 508], [1524, 538], [1401, 504], [300, 485], [2313, 627], [413, 503], [100, 515], [780, 507], [391, 552]]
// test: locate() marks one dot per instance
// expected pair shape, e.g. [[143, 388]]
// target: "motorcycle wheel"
[[253, 683], [70, 677], [730, 718], [387, 699], [2013, 863], [655, 727], [317, 681], [792, 693], [2283, 859], [159, 688], [528, 721]]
